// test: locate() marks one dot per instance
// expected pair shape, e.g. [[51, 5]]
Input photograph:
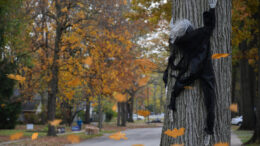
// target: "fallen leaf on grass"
[[118, 136], [175, 132], [34, 136], [73, 138], [16, 136], [221, 144], [55, 122], [233, 107]]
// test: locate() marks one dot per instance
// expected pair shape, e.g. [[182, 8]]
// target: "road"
[[145, 136]]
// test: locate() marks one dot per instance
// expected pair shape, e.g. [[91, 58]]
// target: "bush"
[[32, 118], [9, 115], [109, 115]]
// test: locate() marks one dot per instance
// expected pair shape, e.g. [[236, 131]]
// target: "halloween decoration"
[[195, 63]]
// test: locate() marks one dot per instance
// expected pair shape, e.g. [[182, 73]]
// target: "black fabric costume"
[[195, 47]]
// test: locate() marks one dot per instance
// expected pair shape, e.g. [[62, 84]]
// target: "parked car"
[[138, 117], [237, 120]]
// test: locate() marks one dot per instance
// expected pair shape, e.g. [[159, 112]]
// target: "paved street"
[[146, 136]]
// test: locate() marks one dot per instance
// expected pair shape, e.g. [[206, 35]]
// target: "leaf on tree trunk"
[[221, 144], [118, 136], [218, 56], [55, 122], [188, 87], [177, 145], [175, 132]]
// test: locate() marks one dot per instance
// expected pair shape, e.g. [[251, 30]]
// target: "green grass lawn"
[[244, 135]]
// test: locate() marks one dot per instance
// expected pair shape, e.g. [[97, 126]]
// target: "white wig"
[[179, 28]]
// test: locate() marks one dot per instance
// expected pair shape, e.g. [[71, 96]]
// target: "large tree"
[[191, 111]]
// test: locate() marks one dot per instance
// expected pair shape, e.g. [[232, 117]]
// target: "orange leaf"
[[221, 144], [88, 61], [218, 56], [55, 122], [16, 136], [120, 97], [233, 107], [118, 136], [144, 113], [137, 145], [175, 132], [73, 138], [34, 136]]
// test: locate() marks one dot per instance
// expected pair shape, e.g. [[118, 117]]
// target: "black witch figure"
[[194, 45]]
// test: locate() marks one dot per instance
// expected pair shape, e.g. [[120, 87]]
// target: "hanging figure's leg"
[[209, 98]]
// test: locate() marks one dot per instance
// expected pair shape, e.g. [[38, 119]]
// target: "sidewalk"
[[235, 141]]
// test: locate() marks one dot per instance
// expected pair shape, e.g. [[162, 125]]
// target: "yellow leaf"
[[16, 136], [34, 136], [64, 10], [137, 145], [188, 87], [88, 61], [177, 145], [118, 136], [120, 97], [143, 81], [73, 138], [16, 77], [218, 56], [144, 113], [175, 132], [221, 144], [55, 122], [114, 108], [2, 105], [233, 107]]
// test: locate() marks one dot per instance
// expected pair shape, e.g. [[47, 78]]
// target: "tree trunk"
[[130, 109], [87, 113], [154, 99], [191, 111], [256, 137], [100, 115], [118, 113], [123, 114], [161, 98], [247, 96]]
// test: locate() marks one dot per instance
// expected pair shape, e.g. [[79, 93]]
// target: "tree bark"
[[191, 111], [247, 95]]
